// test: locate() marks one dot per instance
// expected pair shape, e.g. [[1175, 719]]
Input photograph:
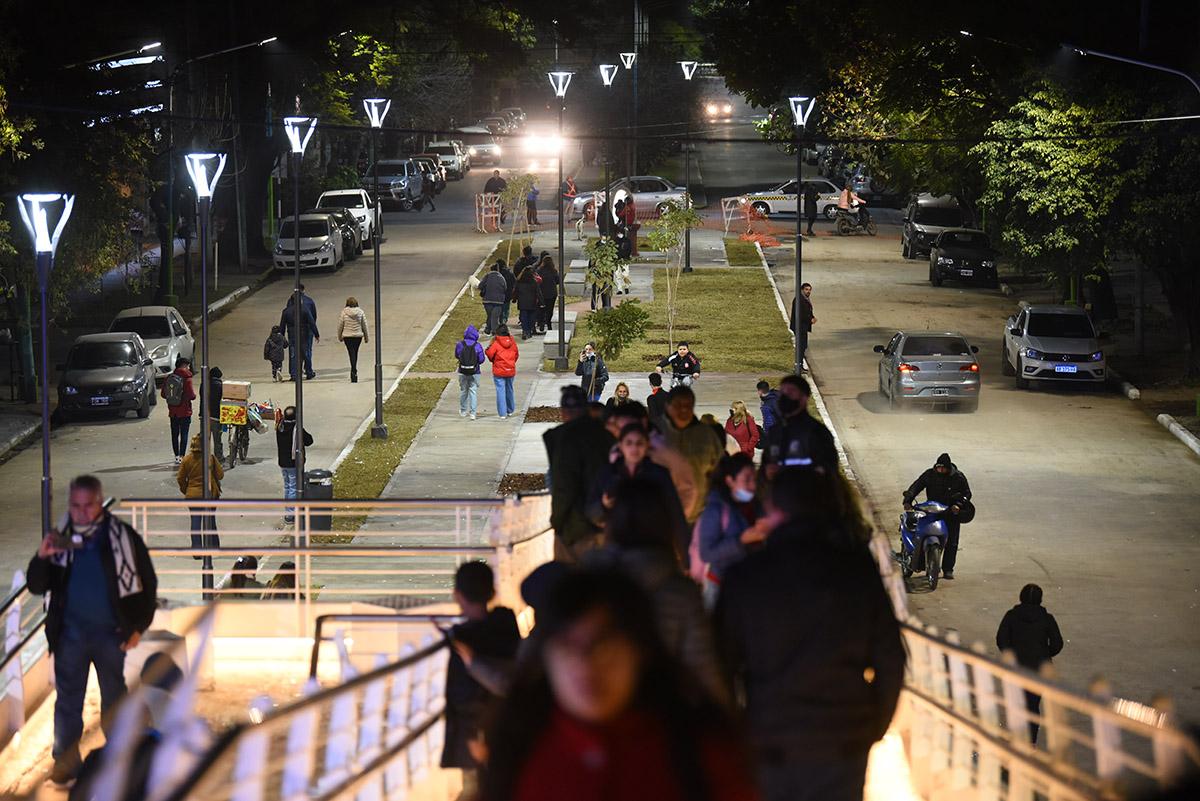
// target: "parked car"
[[359, 203], [399, 182], [965, 255], [163, 331], [352, 244], [432, 166], [1052, 343], [924, 219], [452, 157], [929, 367], [649, 192], [320, 241], [782, 198], [481, 145], [497, 125], [515, 113], [109, 372], [466, 151]]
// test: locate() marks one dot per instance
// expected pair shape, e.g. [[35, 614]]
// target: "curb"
[[369, 420], [1127, 389], [18, 440], [1182, 434]]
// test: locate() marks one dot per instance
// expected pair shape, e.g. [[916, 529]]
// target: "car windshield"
[[944, 216], [966, 239], [349, 200], [309, 229], [155, 327], [388, 168], [478, 139], [443, 150], [89, 355], [936, 346], [1068, 326]]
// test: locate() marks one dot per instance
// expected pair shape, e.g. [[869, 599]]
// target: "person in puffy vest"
[[468, 354]]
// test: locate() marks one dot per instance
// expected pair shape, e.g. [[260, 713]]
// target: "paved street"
[[1079, 491]]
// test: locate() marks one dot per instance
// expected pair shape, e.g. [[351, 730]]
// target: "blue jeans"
[[75, 651], [289, 486], [468, 392], [506, 403], [308, 343], [504, 311], [528, 321]]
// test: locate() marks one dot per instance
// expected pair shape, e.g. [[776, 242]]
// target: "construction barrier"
[[487, 212], [735, 207]]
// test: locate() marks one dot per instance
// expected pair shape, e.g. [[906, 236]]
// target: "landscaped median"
[[741, 253]]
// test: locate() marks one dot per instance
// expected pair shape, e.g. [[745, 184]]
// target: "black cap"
[[944, 459]]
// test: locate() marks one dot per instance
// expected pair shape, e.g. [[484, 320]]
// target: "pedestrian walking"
[[742, 428], [300, 343], [632, 226], [685, 366], [510, 288], [178, 392], [656, 401], [493, 290], [599, 709], [495, 185], [698, 443], [811, 193], [802, 313], [549, 275], [352, 331], [529, 299], [620, 395], [732, 523], [569, 193], [287, 445], [489, 632], [592, 372], [1031, 634], [531, 199], [577, 450], [503, 354], [210, 404], [947, 485], [103, 594], [190, 477], [469, 355], [821, 687], [273, 351], [798, 440], [428, 190], [768, 406]]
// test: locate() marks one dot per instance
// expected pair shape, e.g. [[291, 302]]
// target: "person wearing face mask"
[[732, 523], [798, 439], [946, 484]]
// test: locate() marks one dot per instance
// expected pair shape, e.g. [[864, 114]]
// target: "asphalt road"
[[1077, 490], [424, 262]]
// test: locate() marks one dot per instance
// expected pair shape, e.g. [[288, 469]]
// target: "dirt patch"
[[514, 483], [542, 414]]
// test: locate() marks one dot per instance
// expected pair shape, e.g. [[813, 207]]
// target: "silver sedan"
[[929, 367]]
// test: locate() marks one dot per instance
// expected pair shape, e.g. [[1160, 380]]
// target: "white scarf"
[[129, 581]]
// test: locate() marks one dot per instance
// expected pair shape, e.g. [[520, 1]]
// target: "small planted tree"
[[605, 266], [615, 329], [667, 234], [512, 200]]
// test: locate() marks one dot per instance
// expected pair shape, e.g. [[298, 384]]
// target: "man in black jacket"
[[820, 659], [578, 450], [300, 343], [945, 484], [103, 593], [510, 285], [798, 439], [287, 445], [1032, 634], [803, 319]]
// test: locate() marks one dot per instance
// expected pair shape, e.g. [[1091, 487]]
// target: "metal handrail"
[[398, 617]]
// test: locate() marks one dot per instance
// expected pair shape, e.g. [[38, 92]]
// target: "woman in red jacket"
[[741, 427], [178, 392], [600, 711], [503, 354]]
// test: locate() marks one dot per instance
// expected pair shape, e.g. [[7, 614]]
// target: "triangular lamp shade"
[[801, 108], [560, 81]]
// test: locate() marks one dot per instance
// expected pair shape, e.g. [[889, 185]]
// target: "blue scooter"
[[923, 532]]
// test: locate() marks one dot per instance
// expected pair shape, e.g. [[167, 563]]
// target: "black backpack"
[[173, 389], [468, 360]]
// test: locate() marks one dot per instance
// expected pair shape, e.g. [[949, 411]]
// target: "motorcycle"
[[923, 533], [853, 221]]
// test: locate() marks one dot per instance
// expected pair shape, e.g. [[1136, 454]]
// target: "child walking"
[[273, 352]]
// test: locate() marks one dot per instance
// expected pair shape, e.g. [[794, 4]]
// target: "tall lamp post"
[[689, 70], [377, 109], [35, 215], [629, 62], [560, 80], [205, 170], [608, 73], [299, 130], [801, 108]]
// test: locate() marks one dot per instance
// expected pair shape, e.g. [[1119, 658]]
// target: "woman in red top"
[[600, 711], [503, 354], [741, 427]]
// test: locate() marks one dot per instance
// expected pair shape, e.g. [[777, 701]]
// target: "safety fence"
[[488, 212]]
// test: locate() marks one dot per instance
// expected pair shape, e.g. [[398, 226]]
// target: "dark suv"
[[925, 218]]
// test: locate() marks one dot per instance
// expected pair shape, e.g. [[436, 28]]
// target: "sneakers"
[[472, 415], [462, 412], [948, 575], [178, 460]]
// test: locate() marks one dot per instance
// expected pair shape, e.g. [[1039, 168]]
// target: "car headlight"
[[945, 260], [1033, 353], [128, 387], [279, 247], [1098, 356], [328, 246], [728, 108], [711, 108], [987, 265], [472, 152], [70, 390]]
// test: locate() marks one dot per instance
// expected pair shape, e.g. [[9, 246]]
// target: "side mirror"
[[1016, 332], [974, 349], [147, 362], [878, 348]]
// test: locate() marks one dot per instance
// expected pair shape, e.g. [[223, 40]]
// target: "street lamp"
[[689, 69], [801, 108], [559, 81], [607, 73], [299, 130], [629, 61], [34, 213], [377, 108], [205, 170]]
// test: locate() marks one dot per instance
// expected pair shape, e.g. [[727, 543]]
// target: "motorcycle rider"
[[853, 205], [946, 484]]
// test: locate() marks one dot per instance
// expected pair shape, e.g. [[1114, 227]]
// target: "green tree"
[[667, 234]]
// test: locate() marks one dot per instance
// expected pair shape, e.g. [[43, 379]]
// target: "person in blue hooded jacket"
[[468, 354]]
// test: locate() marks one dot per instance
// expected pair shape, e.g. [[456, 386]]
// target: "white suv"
[[358, 203], [1052, 343], [452, 157]]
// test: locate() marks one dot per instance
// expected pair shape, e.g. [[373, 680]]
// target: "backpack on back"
[[468, 359], [173, 389]]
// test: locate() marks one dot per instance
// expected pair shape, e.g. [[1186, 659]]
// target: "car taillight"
[[969, 368], [905, 367]]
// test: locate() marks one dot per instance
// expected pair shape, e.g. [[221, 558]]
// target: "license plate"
[[939, 391], [1065, 368], [103, 401], [966, 273]]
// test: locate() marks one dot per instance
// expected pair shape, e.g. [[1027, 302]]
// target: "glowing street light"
[[689, 69], [35, 211], [607, 73], [628, 59], [560, 80], [377, 108], [801, 108]]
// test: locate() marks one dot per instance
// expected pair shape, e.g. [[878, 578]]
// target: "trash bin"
[[318, 485]]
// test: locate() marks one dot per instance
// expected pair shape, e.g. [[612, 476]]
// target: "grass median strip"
[[741, 253], [729, 317]]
